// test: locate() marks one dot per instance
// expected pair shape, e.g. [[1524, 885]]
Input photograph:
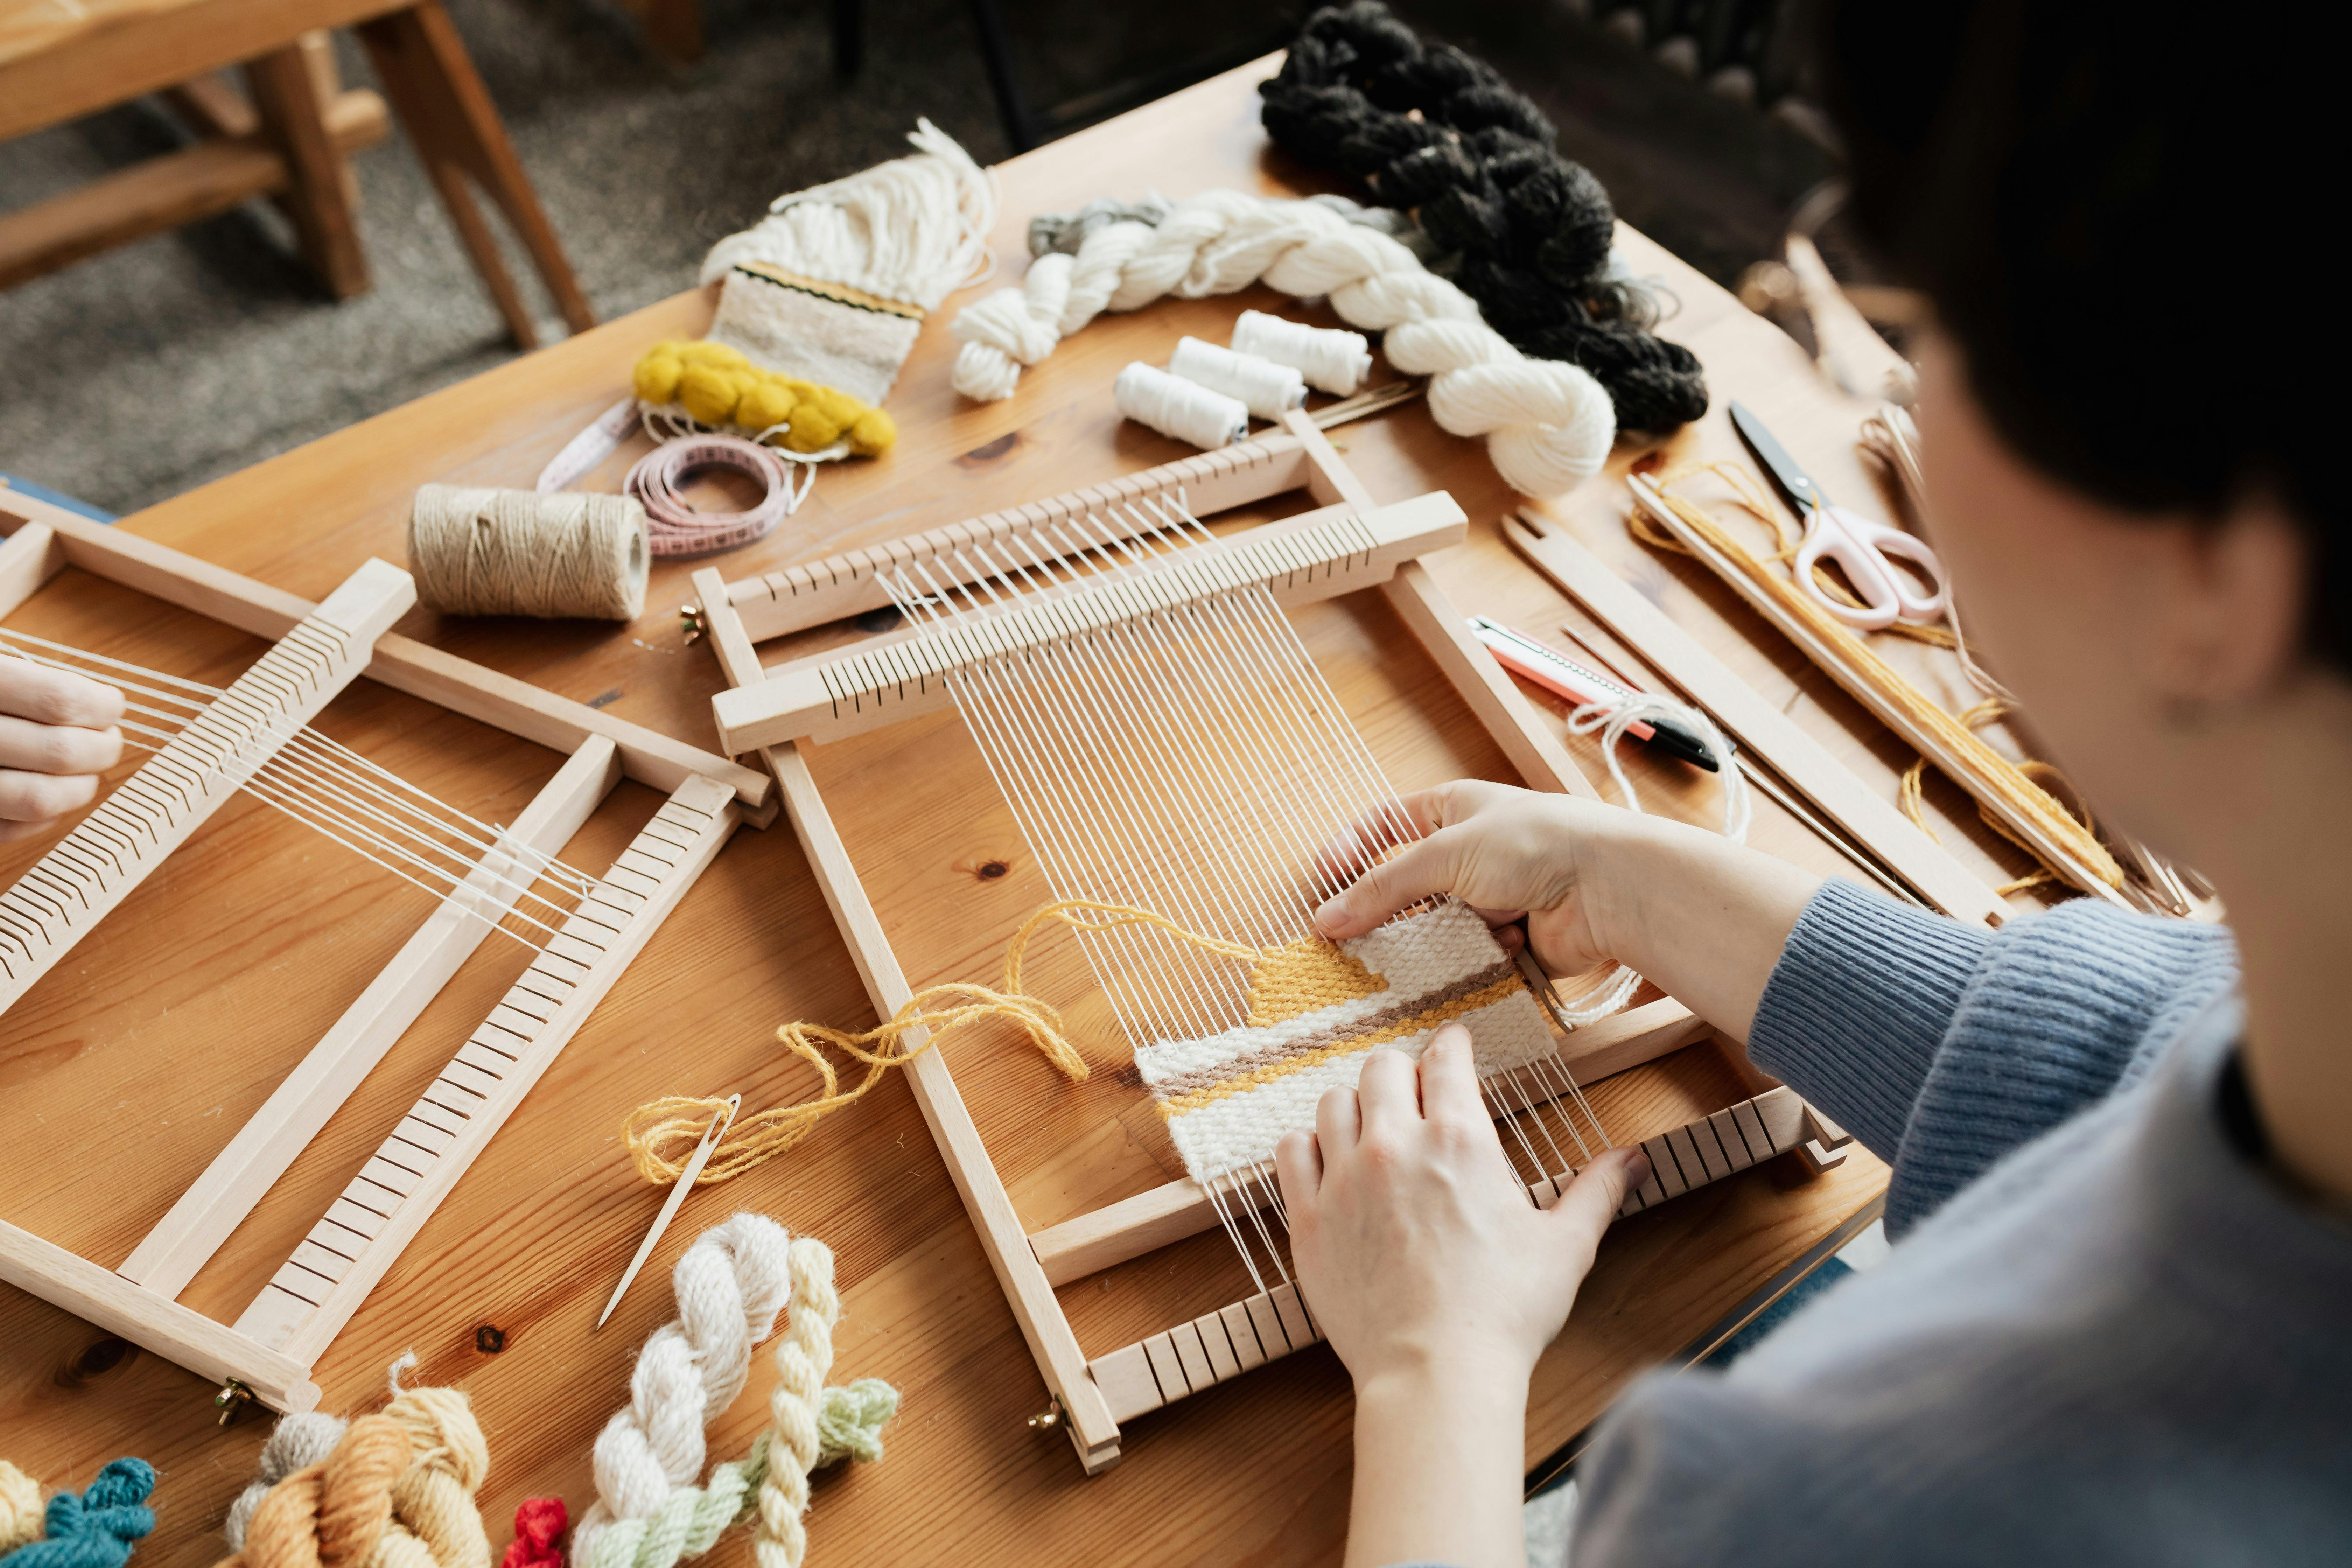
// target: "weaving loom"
[[208, 744], [1175, 760]]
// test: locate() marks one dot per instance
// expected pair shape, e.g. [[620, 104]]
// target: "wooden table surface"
[[130, 1067]]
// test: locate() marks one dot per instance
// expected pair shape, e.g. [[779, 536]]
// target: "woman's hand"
[[1703, 918], [1439, 1284], [57, 735]]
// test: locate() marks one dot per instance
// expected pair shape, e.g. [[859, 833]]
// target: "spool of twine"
[[1174, 407], [1266, 389], [481, 551], [1331, 359]]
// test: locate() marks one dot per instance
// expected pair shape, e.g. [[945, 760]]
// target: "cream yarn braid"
[[436, 1523], [1548, 425], [810, 1426], [296, 1443]]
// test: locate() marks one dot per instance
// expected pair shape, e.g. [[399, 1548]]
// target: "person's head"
[[2128, 403]]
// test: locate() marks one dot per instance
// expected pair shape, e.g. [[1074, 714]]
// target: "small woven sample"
[[1318, 1010]]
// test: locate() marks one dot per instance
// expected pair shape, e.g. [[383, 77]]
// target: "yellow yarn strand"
[[662, 1134], [1992, 772]]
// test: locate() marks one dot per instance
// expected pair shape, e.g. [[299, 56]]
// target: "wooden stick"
[[314, 1294], [28, 559], [181, 1242], [1756, 724], [401, 663]]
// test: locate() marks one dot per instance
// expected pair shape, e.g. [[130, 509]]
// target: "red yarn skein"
[[540, 1524]]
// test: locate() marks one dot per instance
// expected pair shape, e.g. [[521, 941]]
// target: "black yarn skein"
[[1479, 169]]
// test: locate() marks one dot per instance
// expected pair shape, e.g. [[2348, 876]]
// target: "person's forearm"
[[1703, 918], [1438, 1457]]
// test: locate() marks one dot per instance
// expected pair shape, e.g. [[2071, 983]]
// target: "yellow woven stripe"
[[1412, 1024]]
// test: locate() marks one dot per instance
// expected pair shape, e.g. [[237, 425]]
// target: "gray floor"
[[149, 369]]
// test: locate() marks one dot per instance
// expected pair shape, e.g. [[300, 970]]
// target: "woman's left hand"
[[1439, 1284]]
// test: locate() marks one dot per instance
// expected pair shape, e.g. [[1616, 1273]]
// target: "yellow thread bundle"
[[719, 385], [1992, 774], [20, 1508], [662, 1133]]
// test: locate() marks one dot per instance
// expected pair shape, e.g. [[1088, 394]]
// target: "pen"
[[1557, 673]]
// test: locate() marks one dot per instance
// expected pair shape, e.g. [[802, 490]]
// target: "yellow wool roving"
[[721, 386]]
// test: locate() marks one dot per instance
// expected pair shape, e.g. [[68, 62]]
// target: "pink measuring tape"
[[677, 529]]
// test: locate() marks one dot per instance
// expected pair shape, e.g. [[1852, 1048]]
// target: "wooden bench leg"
[[449, 117], [320, 197]]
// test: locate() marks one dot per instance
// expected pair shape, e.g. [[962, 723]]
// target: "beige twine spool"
[[481, 551]]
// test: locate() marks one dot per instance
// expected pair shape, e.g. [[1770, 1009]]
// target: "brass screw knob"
[[1048, 1419], [690, 622], [231, 1401]]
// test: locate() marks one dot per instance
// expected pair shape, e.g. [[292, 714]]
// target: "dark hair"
[[2115, 207]]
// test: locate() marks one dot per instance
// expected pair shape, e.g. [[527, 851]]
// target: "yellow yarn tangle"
[[20, 1508], [718, 385], [662, 1133]]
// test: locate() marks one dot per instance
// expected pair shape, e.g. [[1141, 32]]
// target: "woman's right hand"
[[1702, 917], [57, 735]]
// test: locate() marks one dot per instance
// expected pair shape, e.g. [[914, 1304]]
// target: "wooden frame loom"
[[320, 649], [1346, 544]]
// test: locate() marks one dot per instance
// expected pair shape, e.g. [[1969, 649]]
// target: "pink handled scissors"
[[1866, 550]]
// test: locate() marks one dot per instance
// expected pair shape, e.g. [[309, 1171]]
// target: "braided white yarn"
[[1613, 721], [804, 1357], [1548, 425], [731, 1284]]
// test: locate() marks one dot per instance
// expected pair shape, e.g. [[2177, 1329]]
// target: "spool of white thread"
[[1174, 407], [1331, 359], [1266, 389], [481, 552]]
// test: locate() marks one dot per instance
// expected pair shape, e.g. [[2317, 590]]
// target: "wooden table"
[[125, 1075]]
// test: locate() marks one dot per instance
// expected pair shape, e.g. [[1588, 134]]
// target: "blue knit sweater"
[[2107, 1334]]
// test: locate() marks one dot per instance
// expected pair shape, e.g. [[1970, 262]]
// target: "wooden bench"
[[289, 136]]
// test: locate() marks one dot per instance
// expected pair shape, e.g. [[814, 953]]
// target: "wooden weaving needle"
[[694, 1164]]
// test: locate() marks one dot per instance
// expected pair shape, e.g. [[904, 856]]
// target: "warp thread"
[[1547, 424], [810, 1425], [1330, 359], [1178, 407], [676, 528], [539, 1522], [95, 1529], [1266, 389], [483, 552], [1429, 128], [296, 1443]]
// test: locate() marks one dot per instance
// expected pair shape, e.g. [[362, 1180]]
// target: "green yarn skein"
[[96, 1529], [849, 1426]]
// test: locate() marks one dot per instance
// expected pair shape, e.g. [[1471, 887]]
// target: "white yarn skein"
[[296, 1443], [1266, 389], [1613, 721], [1548, 424], [731, 1284], [1332, 359], [1174, 407]]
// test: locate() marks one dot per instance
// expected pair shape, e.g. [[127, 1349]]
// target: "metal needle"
[[694, 1164]]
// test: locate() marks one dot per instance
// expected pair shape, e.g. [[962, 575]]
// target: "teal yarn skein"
[[95, 1530]]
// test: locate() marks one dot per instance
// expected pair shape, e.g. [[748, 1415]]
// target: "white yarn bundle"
[[912, 229], [1332, 359], [1266, 389], [730, 1285], [1175, 406], [1548, 425]]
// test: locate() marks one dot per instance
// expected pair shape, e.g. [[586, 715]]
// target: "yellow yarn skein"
[[718, 385], [21, 1519]]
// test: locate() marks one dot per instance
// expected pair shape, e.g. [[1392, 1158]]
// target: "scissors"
[[1860, 547]]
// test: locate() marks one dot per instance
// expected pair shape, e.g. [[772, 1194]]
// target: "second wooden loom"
[[319, 651], [1346, 544]]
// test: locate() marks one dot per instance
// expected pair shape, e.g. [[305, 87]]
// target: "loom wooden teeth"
[[1107, 580], [318, 651]]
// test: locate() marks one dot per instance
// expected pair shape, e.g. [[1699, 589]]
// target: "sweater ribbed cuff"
[[1858, 1003]]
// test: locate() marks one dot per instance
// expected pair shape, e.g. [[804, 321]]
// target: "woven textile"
[[1318, 1010]]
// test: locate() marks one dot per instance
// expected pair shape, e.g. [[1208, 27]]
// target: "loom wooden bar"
[[169, 1254], [28, 559], [1828, 783], [402, 663], [1833, 661], [1174, 1210], [305, 1338]]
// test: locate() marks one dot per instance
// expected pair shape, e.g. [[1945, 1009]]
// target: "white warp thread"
[[1332, 359], [1174, 407], [1548, 425], [1266, 389], [1613, 721], [731, 1284], [296, 1443]]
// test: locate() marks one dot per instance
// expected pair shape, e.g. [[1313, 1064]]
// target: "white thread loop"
[[1548, 424], [1266, 389], [482, 551], [1177, 407], [1332, 359]]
